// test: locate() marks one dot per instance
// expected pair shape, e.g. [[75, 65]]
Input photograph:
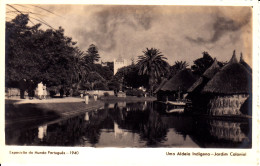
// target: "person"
[[61, 92], [44, 91], [40, 90], [31, 89], [22, 87]]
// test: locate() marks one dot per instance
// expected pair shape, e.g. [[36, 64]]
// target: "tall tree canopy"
[[202, 64], [92, 54], [130, 77], [153, 64], [41, 55]]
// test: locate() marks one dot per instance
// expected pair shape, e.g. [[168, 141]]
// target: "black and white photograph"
[[128, 76]]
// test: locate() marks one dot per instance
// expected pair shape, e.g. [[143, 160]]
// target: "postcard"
[[112, 83]]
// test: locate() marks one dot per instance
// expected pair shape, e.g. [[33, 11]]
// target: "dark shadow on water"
[[21, 117], [145, 119]]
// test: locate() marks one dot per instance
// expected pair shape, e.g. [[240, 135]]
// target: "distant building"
[[119, 63]]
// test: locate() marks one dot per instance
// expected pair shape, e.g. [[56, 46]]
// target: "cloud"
[[221, 26], [105, 23]]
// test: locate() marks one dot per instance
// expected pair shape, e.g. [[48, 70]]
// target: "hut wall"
[[166, 96], [230, 131], [161, 96], [226, 105]]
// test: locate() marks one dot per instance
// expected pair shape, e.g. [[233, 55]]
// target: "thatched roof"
[[208, 74], [212, 70], [233, 78], [181, 81], [244, 63], [161, 85]]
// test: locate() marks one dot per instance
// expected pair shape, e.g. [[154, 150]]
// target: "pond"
[[143, 124]]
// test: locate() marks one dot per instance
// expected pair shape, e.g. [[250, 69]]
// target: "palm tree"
[[178, 66], [153, 64], [79, 69]]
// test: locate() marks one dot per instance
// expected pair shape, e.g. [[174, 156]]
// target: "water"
[[143, 124]]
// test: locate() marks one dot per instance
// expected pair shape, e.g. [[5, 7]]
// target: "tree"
[[92, 54], [178, 66], [131, 78], [20, 61], [41, 55], [94, 81], [153, 64], [202, 64], [105, 71]]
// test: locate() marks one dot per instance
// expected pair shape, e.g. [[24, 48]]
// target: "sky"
[[181, 33]]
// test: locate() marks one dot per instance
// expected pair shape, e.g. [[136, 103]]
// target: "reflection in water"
[[154, 130], [42, 131], [230, 131], [87, 116], [142, 124], [118, 132]]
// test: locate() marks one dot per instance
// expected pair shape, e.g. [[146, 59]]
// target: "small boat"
[[175, 110], [175, 106], [177, 103]]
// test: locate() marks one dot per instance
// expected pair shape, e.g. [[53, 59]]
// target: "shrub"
[[100, 86], [76, 93], [139, 95], [106, 94], [134, 92], [52, 93]]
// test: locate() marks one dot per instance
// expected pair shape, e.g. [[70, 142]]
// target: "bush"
[[75, 93], [139, 95], [106, 94], [52, 93], [134, 92], [100, 86]]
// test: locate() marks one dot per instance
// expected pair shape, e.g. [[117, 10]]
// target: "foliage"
[[134, 92], [106, 94], [94, 81], [105, 71], [178, 66], [129, 76], [92, 54], [41, 55], [202, 64], [113, 84], [153, 64]]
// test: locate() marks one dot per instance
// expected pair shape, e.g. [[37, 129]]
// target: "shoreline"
[[36, 112], [114, 99], [19, 111]]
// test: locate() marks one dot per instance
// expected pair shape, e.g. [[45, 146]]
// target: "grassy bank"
[[31, 114]]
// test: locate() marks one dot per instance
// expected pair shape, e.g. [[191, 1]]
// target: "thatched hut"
[[228, 130], [160, 96], [177, 86], [207, 75], [199, 101], [242, 62], [229, 89]]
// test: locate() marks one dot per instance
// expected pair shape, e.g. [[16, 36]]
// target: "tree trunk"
[[151, 81]]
